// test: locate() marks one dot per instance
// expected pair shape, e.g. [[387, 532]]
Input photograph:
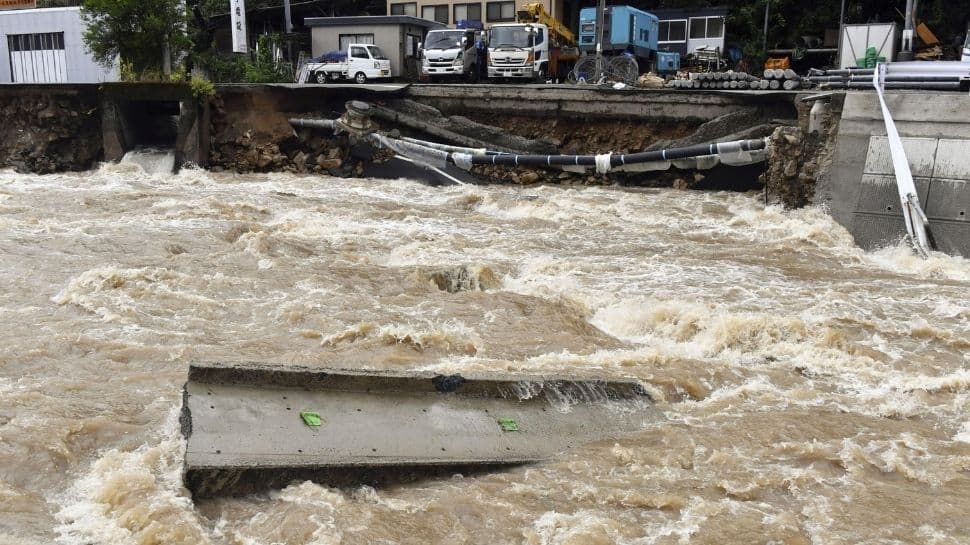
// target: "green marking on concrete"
[[311, 418], [508, 424]]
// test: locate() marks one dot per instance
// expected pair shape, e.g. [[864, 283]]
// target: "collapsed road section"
[[256, 427]]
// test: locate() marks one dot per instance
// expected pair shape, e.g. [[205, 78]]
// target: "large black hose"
[[488, 157], [699, 150]]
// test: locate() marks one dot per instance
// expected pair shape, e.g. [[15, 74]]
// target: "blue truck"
[[628, 30]]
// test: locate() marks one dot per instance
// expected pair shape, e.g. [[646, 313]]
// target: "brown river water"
[[813, 393]]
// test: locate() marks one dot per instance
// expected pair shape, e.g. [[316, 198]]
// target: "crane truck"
[[535, 47]]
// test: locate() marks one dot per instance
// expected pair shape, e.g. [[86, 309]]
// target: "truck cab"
[[518, 50], [359, 63], [452, 53]]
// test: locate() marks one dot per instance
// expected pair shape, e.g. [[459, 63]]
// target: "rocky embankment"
[[250, 133], [46, 132], [797, 157]]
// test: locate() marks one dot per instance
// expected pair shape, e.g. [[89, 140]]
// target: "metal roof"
[[372, 20]]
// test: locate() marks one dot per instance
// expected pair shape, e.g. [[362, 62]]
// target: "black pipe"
[[699, 150]]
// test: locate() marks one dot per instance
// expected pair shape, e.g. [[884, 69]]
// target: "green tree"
[[139, 32]]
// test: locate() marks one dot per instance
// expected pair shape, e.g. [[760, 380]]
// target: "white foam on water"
[[757, 318], [132, 497], [151, 160]]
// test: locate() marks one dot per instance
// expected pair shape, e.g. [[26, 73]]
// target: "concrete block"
[[878, 194], [920, 153], [245, 433], [873, 230], [948, 200], [953, 159], [950, 237], [909, 106]]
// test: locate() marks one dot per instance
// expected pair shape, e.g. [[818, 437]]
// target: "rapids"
[[813, 392]]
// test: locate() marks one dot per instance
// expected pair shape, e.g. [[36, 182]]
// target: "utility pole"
[[288, 29], [764, 41], [600, 36], [906, 51]]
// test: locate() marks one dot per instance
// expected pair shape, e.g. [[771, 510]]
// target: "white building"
[[44, 45]]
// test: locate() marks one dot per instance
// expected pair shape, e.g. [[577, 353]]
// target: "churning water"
[[814, 393]]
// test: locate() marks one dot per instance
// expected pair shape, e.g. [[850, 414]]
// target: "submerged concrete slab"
[[245, 433]]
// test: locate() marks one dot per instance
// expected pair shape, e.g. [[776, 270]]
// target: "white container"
[[855, 39], [818, 116]]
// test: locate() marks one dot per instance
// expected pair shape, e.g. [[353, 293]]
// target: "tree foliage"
[[135, 31]]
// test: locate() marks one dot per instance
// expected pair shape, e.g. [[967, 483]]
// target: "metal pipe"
[[929, 86], [313, 123], [868, 78], [820, 96], [896, 68]]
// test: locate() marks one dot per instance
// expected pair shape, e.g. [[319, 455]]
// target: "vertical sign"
[[237, 16]]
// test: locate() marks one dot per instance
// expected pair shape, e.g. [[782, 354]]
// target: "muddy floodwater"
[[813, 393]]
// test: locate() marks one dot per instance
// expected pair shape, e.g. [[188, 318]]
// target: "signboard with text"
[[17, 4], [237, 14]]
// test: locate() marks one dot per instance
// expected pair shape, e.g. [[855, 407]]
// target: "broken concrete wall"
[[798, 156]]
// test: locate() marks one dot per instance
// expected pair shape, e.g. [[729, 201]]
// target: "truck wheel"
[[541, 74], [320, 77], [472, 76], [360, 78]]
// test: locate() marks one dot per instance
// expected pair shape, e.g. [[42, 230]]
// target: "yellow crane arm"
[[536, 13]]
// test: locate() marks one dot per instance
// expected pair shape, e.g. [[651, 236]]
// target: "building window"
[[500, 11], [435, 13], [468, 12], [37, 58], [706, 28], [405, 8], [347, 39], [673, 31]]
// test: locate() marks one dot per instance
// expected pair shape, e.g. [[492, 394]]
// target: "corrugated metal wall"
[[81, 68]]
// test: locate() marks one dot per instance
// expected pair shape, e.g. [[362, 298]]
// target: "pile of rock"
[[241, 143]]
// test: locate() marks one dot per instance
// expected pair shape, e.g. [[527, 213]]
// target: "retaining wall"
[[860, 188]]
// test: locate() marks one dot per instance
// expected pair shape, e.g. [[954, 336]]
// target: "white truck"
[[451, 54], [360, 63], [518, 50]]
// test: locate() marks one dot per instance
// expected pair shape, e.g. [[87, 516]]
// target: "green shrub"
[[202, 89]]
